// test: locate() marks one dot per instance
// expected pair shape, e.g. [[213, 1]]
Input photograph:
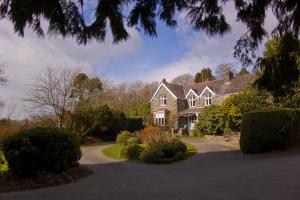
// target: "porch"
[[191, 116]]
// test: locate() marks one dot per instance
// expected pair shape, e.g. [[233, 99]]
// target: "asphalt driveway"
[[216, 172]]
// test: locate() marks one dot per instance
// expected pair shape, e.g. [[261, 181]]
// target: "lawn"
[[115, 151], [3, 166]]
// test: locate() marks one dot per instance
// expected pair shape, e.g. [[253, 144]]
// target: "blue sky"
[[174, 52]]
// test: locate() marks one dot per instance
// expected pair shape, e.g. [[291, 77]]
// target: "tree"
[[204, 75], [183, 79], [67, 18], [85, 87], [3, 80], [243, 71], [52, 92], [224, 68], [278, 69]]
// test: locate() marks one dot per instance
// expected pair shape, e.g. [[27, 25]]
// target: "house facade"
[[179, 106]]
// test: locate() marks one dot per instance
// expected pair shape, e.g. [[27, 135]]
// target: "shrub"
[[267, 129], [149, 133], [132, 151], [46, 150], [165, 152], [123, 137], [133, 140], [133, 124], [211, 120]]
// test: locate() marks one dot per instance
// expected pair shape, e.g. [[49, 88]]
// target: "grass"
[[114, 151], [3, 166]]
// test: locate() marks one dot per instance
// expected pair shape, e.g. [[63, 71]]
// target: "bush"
[[149, 133], [132, 151], [123, 137], [133, 124], [211, 121], [41, 150], [165, 152], [133, 140], [267, 129]]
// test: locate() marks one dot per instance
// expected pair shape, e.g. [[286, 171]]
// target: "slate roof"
[[237, 84]]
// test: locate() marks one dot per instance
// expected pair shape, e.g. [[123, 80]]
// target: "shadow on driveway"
[[217, 172]]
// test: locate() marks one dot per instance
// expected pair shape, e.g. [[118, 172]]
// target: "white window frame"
[[208, 98], [163, 100], [192, 101], [160, 119]]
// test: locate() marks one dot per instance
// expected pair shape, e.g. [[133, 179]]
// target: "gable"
[[207, 89], [162, 85], [191, 92]]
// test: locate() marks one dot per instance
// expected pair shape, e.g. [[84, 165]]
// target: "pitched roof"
[[237, 84]]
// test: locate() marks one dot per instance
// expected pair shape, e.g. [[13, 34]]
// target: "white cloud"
[[205, 51], [23, 56]]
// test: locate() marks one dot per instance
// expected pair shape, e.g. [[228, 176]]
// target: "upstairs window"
[[207, 99], [192, 101], [160, 119], [163, 100]]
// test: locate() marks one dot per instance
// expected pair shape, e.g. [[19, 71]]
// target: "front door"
[[191, 123]]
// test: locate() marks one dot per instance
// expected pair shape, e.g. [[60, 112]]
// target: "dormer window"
[[163, 100], [192, 101], [207, 99]]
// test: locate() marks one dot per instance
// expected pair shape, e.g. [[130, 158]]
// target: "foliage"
[[41, 150], [133, 140], [122, 138], [211, 120], [204, 75], [165, 152], [66, 18], [133, 124], [7, 127], [85, 87], [278, 69], [100, 121], [149, 133], [183, 79], [132, 151], [267, 130], [236, 105]]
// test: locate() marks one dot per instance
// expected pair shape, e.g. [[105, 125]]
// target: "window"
[[192, 101], [160, 119], [163, 100], [207, 99]]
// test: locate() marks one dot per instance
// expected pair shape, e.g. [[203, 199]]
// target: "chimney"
[[228, 76], [163, 80]]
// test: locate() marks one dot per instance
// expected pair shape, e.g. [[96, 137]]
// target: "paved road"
[[217, 172]]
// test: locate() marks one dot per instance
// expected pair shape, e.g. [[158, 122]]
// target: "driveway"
[[216, 172]]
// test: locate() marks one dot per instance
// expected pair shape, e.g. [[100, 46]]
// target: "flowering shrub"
[[149, 134]]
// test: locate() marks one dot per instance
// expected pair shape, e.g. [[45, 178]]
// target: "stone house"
[[179, 106]]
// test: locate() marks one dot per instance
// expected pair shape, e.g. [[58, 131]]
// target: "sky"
[[174, 52]]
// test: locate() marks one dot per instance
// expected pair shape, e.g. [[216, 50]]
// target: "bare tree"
[[183, 79], [10, 109], [223, 69], [52, 91]]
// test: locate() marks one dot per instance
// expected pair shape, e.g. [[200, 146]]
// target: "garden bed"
[[116, 151]]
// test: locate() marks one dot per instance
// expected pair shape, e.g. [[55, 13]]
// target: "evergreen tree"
[[204, 75]]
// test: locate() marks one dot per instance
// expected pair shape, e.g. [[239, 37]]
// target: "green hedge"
[[267, 129], [41, 150]]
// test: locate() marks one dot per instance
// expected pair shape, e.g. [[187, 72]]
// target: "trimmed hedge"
[[267, 129], [41, 150]]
